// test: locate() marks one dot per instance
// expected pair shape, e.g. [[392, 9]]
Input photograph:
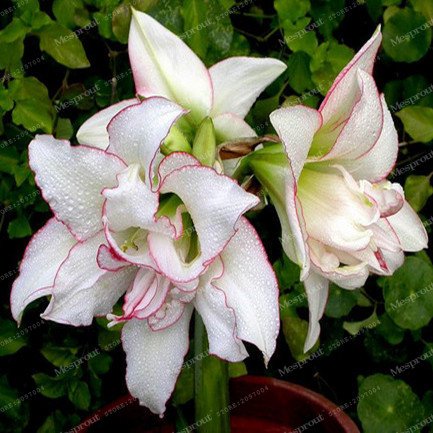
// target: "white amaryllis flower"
[[168, 233], [341, 219], [163, 65]]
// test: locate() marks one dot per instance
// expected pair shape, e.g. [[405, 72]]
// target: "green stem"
[[211, 382]]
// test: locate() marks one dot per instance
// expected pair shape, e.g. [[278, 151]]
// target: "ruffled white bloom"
[[341, 219], [163, 65], [168, 233]]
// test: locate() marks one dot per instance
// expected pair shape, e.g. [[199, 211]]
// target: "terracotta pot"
[[258, 405]]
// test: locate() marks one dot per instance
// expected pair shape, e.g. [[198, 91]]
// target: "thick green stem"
[[211, 381]]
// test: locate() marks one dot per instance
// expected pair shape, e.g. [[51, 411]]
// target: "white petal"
[[251, 289], [317, 288], [133, 204], [296, 127], [137, 132], [344, 92], [174, 161], [327, 264], [82, 289], [218, 317], [238, 81], [93, 132], [215, 203], [228, 127], [409, 229], [71, 179], [108, 259], [163, 65], [331, 198], [154, 360], [364, 125], [43, 256], [379, 161]]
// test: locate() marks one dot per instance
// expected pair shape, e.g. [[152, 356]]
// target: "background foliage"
[[63, 60]]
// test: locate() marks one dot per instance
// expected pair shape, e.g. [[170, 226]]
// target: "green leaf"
[[291, 10], [100, 364], [16, 29], [423, 6], [63, 45], [33, 107], [121, 21], [340, 302], [299, 37], [79, 394], [19, 228], [196, 35], [389, 330], [328, 14], [387, 405], [9, 400], [327, 62], [33, 115], [418, 122], [298, 71], [406, 36], [409, 294], [59, 356], [39, 20], [64, 129], [51, 387], [353, 328], [295, 332], [71, 13], [10, 339], [417, 190], [6, 102], [10, 56]]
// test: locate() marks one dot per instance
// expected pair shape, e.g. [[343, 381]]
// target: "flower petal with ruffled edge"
[[82, 289], [251, 289], [154, 359], [93, 132], [218, 318], [44, 254], [215, 203], [71, 179]]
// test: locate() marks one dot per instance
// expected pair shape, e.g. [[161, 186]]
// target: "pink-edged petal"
[[174, 161], [218, 318], [167, 315], [82, 289], [238, 81], [364, 125], [43, 256], [133, 204], [317, 288], [328, 265], [296, 127], [154, 359], [163, 65], [71, 179], [138, 255], [409, 229], [378, 162], [108, 259], [137, 132], [146, 296], [93, 132], [251, 289], [344, 92], [215, 203], [229, 126]]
